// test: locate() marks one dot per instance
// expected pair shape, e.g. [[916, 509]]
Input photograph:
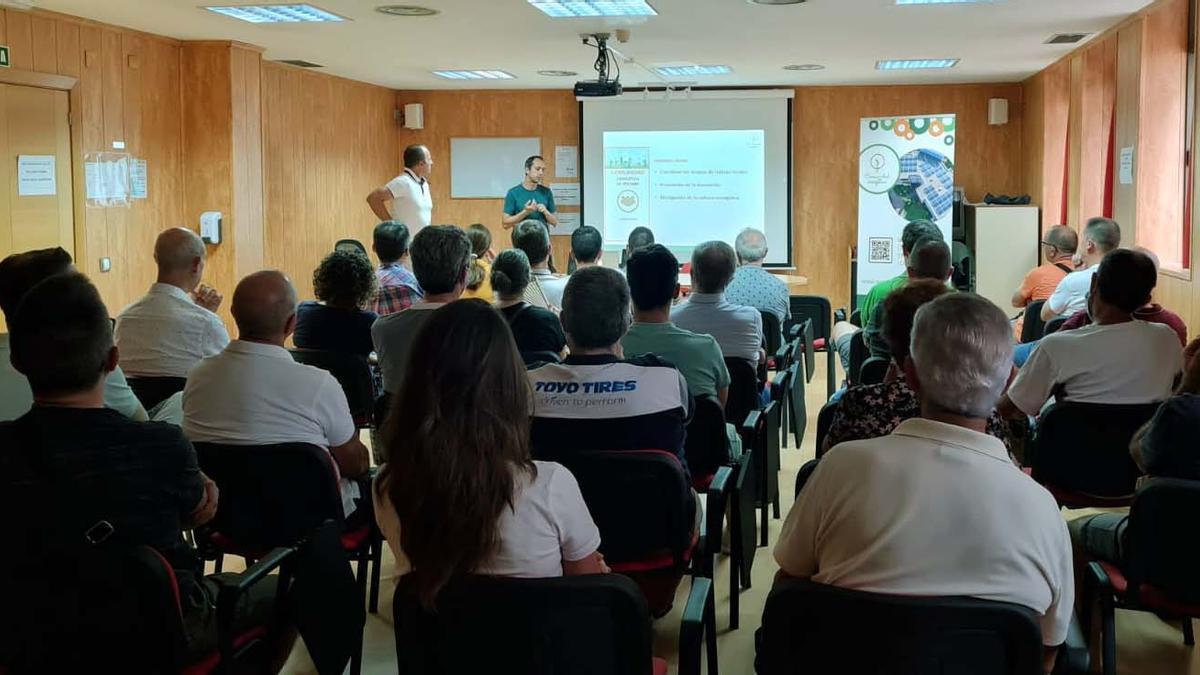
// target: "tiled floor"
[[1146, 644]]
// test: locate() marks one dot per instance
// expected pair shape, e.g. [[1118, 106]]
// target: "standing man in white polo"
[[407, 198]]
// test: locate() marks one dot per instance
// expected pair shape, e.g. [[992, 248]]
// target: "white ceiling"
[[997, 42]]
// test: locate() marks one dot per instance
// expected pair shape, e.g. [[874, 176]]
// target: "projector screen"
[[691, 169]]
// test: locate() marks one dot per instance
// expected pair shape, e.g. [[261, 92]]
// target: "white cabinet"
[[1005, 243]]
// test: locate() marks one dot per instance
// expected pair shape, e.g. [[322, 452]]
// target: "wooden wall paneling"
[[20, 39], [119, 219], [6, 180], [137, 237], [3, 26], [247, 160], [1033, 146], [1099, 93], [44, 33], [1076, 139], [1129, 60], [1056, 102], [91, 131]]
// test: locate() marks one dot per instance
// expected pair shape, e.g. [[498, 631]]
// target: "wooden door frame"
[[29, 78]]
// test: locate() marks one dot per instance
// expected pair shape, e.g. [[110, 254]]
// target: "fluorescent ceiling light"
[[276, 13], [942, 2], [915, 64], [560, 9], [474, 74], [692, 71]]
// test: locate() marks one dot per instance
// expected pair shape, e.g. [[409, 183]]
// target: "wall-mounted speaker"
[[414, 116], [997, 111]]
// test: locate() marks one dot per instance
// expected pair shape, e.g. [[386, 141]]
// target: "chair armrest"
[[712, 528], [782, 353], [691, 629], [231, 590], [1073, 656], [749, 424], [1099, 577]]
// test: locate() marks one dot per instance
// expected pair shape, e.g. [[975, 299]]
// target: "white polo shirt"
[[1070, 296], [932, 510], [412, 202], [165, 334], [1096, 364], [256, 394]]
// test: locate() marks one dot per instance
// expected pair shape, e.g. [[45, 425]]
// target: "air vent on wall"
[[301, 63], [1066, 38]]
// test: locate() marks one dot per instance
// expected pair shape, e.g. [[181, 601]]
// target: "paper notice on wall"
[[106, 178], [567, 223], [1125, 166], [566, 161], [35, 176], [137, 179], [95, 187], [565, 194]]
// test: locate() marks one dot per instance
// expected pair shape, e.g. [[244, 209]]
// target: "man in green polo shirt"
[[530, 200]]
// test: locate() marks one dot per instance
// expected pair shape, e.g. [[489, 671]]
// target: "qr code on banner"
[[880, 250]]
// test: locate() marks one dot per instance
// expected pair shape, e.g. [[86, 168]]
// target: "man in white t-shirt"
[[407, 198], [936, 508], [1117, 359], [1100, 236], [254, 393]]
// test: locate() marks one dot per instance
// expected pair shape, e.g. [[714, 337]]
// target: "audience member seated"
[[396, 288], [19, 273], [843, 331], [754, 286], [463, 495], [1100, 236], [737, 329], [1117, 359], [76, 464], [545, 289], [343, 284], [587, 245], [936, 508], [1151, 312], [535, 329], [599, 399], [441, 258], [254, 393], [639, 237], [1165, 447], [1058, 248], [929, 259], [874, 410], [479, 281], [168, 331]]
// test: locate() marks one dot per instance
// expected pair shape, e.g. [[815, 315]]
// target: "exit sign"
[[4, 57]]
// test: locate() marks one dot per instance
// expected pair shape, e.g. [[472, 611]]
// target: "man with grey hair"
[[254, 393], [737, 329], [752, 285], [936, 508], [1100, 236]]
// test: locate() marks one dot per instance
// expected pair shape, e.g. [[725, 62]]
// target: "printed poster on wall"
[[905, 173]]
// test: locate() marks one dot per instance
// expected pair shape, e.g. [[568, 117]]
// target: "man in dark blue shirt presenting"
[[530, 200]]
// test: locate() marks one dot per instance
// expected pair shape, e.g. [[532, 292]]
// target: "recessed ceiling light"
[[942, 2], [558, 73], [276, 13], [804, 66], [692, 71], [474, 74], [561, 9], [406, 10], [915, 64]]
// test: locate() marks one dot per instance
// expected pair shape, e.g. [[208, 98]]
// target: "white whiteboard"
[[485, 168]]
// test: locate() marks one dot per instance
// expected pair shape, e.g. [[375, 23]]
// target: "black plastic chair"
[[803, 474], [531, 358], [1159, 573], [1053, 325], [782, 363], [824, 421], [351, 371], [278, 495], [116, 608], [760, 435], [814, 628], [772, 339], [1032, 327], [1081, 452], [817, 309], [595, 624], [874, 370], [859, 353], [744, 390], [799, 405], [150, 391], [706, 446]]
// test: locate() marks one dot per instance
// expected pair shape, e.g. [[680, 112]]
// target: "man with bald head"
[[253, 393], [168, 331]]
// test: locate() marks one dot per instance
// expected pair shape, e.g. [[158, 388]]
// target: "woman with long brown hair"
[[461, 493]]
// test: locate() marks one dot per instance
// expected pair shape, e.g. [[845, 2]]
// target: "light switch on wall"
[[106, 264], [210, 227]]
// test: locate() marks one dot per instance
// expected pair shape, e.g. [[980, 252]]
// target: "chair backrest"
[[859, 353], [106, 608], [531, 358], [1053, 325], [856, 318], [1032, 325], [807, 339], [816, 308], [781, 393], [873, 370], [151, 391], [814, 628], [1084, 447], [271, 495], [592, 625], [743, 390], [706, 445], [799, 411], [351, 371], [824, 421], [352, 245], [1161, 548], [772, 332], [640, 500]]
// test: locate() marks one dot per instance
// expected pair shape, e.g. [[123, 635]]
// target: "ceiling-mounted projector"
[[602, 85]]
